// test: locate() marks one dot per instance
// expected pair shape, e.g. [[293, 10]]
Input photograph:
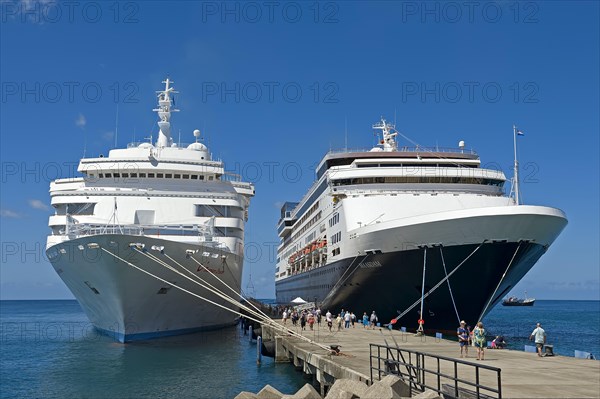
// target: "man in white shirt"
[[540, 338]]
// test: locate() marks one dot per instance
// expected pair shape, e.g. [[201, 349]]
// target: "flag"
[[520, 133]]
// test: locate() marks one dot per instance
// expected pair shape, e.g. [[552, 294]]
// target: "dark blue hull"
[[389, 283]]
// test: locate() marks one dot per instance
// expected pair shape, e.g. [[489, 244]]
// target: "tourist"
[[499, 342], [303, 320], [540, 338], [479, 339], [329, 320], [311, 320], [285, 315], [365, 320], [347, 320], [373, 320], [338, 321], [352, 318], [463, 339]]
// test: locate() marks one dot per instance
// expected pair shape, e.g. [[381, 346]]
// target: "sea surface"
[[49, 349], [569, 325]]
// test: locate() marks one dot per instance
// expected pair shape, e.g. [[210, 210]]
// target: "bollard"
[[258, 349]]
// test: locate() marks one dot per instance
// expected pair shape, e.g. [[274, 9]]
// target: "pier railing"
[[448, 376]]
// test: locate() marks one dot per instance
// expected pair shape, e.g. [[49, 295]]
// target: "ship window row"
[[217, 211], [153, 175], [166, 231], [307, 226], [310, 212], [334, 220], [310, 237], [337, 237], [75, 208], [314, 196], [418, 179], [413, 165]]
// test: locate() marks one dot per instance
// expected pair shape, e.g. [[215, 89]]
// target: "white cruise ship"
[[390, 228], [144, 224]]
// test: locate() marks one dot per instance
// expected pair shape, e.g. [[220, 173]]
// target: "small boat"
[[514, 301]]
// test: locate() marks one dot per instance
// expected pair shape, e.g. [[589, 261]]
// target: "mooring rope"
[[203, 283], [411, 307], [501, 279], [266, 320], [449, 288]]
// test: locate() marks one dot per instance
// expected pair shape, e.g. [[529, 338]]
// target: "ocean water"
[[48, 349], [569, 325]]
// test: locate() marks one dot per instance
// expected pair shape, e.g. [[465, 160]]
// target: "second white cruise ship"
[[423, 236], [143, 226]]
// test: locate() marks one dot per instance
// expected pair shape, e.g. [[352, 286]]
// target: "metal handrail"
[[419, 149], [394, 362]]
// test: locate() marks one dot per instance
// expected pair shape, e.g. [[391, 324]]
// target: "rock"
[[344, 387], [306, 392], [342, 395], [389, 387], [428, 394], [246, 395], [268, 392]]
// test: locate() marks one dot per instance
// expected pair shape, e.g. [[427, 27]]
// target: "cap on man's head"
[[462, 322]]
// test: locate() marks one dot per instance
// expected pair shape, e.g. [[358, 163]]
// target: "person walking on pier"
[[540, 338], [373, 320], [329, 320], [311, 320], [352, 318], [347, 320], [285, 315], [338, 321], [463, 339], [365, 320], [479, 337], [303, 320]]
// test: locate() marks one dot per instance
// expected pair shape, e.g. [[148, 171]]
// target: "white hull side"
[[128, 304], [471, 226]]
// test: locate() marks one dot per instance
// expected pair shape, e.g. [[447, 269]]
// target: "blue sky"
[[272, 87]]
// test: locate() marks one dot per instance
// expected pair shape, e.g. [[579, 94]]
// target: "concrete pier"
[[524, 375]]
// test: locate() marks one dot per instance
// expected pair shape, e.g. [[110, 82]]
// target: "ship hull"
[[485, 251], [527, 303], [390, 283], [128, 304]]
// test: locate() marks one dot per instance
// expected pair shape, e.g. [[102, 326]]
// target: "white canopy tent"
[[298, 301]]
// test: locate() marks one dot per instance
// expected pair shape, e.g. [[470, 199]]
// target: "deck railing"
[[447, 376], [419, 149]]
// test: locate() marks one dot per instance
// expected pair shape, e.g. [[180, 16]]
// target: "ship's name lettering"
[[371, 264]]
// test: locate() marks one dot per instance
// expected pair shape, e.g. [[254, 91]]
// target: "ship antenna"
[[346, 132], [516, 171], [116, 126], [84, 142]]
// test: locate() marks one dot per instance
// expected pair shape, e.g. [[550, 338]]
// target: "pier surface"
[[524, 375]]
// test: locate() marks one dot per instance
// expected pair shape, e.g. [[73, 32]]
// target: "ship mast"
[[388, 141], [164, 113], [516, 167]]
